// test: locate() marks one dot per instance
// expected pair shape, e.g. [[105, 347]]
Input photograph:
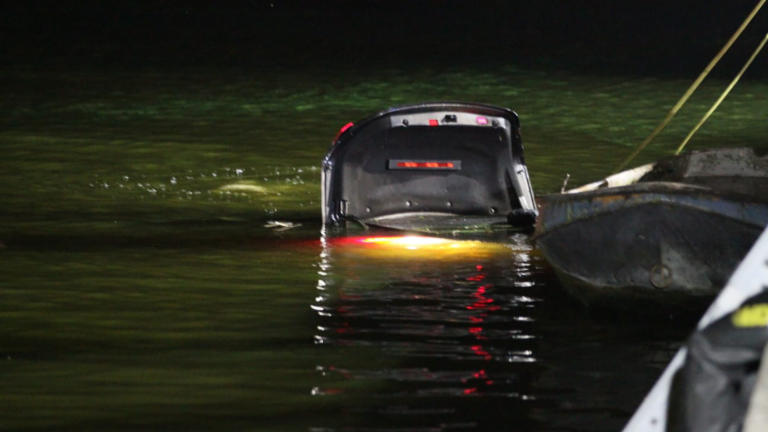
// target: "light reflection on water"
[[441, 327], [469, 340]]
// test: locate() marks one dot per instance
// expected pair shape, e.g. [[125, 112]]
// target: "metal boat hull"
[[661, 242]]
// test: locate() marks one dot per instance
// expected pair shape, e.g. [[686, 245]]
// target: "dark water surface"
[[141, 289]]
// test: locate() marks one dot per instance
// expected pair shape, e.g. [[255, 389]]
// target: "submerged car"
[[429, 163]]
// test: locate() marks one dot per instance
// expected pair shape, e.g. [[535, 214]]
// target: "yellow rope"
[[692, 88], [722, 97]]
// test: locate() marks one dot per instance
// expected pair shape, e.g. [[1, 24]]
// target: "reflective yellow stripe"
[[755, 315]]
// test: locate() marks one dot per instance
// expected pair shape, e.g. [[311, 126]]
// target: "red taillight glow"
[[408, 164], [482, 121], [433, 123], [345, 127], [341, 131]]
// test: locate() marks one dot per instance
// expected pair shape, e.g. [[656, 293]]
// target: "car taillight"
[[342, 130], [404, 164]]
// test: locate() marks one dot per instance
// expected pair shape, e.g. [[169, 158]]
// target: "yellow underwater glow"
[[413, 246], [410, 241], [405, 256]]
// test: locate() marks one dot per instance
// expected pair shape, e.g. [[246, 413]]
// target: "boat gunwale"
[[651, 193]]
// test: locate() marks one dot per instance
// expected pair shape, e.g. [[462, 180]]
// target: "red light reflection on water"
[[474, 305], [482, 305]]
